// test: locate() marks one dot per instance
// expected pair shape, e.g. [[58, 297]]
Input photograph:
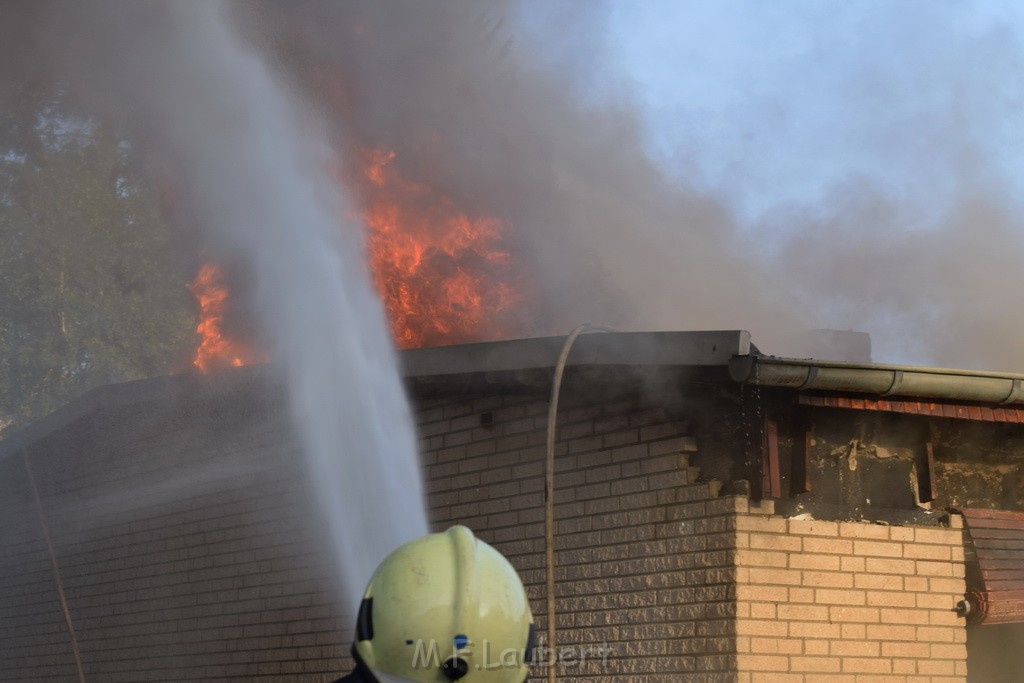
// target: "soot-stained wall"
[[890, 467]]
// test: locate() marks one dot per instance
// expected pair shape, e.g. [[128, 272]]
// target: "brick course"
[[185, 549], [849, 599], [644, 552]]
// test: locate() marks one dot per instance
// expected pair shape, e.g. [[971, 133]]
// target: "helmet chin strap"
[[365, 673]]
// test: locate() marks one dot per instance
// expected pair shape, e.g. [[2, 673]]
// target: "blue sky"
[[774, 103]]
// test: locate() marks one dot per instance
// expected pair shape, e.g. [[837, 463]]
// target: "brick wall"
[[189, 552], [185, 548], [847, 601], [644, 550], [33, 637]]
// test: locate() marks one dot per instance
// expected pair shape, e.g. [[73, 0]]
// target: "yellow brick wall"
[[847, 601]]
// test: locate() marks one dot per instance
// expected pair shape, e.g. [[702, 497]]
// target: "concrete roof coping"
[[706, 348]]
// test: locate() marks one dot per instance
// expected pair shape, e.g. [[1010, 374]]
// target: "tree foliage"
[[91, 289]]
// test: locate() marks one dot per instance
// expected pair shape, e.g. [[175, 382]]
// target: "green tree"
[[91, 289]]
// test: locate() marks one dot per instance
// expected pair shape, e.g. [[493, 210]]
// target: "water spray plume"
[[254, 172]]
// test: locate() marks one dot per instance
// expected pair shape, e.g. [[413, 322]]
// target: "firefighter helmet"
[[443, 607]]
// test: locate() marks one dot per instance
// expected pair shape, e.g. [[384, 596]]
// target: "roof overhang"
[[695, 349]]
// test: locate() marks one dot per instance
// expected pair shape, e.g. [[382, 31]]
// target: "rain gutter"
[[878, 379]]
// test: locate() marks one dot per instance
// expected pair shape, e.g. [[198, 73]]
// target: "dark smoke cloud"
[[514, 128], [480, 113], [526, 130]]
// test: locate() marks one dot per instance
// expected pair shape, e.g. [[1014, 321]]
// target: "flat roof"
[[724, 349], [705, 348]]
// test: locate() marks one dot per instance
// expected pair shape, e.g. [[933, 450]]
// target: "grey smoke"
[[455, 92], [535, 132]]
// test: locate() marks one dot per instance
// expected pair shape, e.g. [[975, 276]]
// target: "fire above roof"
[[729, 353]]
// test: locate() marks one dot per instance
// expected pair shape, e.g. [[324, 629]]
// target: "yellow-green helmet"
[[445, 607]]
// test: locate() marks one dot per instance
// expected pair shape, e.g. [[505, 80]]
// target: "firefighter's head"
[[445, 607]]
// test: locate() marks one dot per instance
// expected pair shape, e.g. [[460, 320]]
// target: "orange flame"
[[445, 276], [215, 349]]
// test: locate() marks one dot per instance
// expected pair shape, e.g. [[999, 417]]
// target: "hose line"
[[549, 490], [55, 566]]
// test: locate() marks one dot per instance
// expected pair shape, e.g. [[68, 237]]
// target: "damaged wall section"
[[896, 468]]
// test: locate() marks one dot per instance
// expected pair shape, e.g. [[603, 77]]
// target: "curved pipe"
[[549, 487], [882, 380]]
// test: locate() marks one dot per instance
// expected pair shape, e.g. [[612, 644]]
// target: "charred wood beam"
[[926, 477], [771, 483], [800, 464]]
